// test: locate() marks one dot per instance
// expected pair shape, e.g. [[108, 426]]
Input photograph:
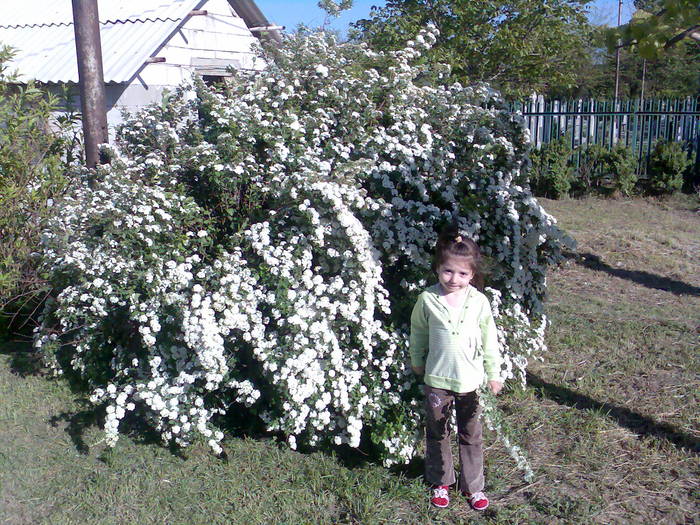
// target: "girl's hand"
[[495, 387], [418, 370]]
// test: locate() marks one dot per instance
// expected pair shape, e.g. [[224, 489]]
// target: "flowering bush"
[[258, 250]]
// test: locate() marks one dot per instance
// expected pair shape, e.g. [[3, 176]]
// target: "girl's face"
[[455, 273]]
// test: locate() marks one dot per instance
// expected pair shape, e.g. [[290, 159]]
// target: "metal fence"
[[638, 124]]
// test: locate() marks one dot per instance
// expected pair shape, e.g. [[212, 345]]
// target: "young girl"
[[453, 344]]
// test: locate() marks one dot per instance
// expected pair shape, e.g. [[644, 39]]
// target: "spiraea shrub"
[[258, 250]]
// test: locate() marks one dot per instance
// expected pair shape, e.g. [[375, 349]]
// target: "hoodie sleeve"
[[491, 347], [418, 344]]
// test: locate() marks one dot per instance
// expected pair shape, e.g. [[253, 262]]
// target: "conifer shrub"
[[552, 174], [592, 169], [621, 164], [667, 164], [605, 171], [691, 175]]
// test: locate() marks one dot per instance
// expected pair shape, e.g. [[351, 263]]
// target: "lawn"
[[609, 419]]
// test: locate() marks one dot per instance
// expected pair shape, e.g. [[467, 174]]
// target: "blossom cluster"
[[257, 249]]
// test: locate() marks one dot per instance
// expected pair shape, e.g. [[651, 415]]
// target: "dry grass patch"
[[624, 348]]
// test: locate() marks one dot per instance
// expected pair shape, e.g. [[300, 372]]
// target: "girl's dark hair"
[[452, 244]]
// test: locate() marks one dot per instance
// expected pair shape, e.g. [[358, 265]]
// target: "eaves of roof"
[[254, 18]]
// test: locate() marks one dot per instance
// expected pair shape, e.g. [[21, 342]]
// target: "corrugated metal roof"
[[130, 31], [54, 12]]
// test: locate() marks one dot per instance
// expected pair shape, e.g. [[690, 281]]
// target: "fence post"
[[696, 176]]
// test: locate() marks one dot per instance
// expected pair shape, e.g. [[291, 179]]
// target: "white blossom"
[[295, 315]]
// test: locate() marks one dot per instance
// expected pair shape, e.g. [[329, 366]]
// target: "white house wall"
[[204, 44], [118, 97], [129, 98]]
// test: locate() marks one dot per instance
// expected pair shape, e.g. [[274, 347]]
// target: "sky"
[[291, 13]]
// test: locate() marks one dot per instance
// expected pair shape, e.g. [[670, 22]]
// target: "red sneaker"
[[441, 496], [478, 501]]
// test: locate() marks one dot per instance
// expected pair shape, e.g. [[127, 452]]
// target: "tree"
[[658, 25], [675, 73], [334, 7], [519, 46]]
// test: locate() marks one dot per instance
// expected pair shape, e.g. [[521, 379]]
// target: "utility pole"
[[617, 53], [617, 78], [88, 49]]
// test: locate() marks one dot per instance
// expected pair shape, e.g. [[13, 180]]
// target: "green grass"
[[609, 419]]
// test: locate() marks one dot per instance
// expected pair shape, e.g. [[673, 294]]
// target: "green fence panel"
[[638, 124]]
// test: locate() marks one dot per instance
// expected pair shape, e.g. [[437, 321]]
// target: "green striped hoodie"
[[455, 345]]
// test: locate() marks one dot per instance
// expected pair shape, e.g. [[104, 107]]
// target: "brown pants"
[[439, 469]]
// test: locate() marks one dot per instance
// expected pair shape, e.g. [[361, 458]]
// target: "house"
[[148, 46]]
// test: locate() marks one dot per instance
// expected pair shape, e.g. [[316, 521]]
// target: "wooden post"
[[91, 77]]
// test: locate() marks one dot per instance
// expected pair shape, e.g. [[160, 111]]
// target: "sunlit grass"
[[609, 420]]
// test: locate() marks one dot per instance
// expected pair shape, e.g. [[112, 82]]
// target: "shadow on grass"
[[650, 280], [240, 425], [24, 360], [76, 425], [637, 423]]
